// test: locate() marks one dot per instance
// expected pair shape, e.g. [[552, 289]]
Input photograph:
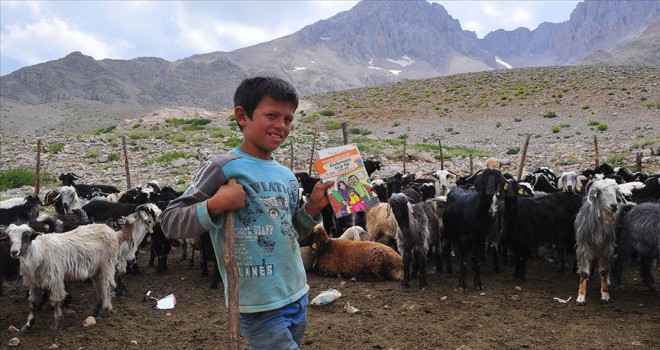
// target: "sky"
[[39, 31]]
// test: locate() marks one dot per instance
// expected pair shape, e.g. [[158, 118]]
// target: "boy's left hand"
[[319, 198]]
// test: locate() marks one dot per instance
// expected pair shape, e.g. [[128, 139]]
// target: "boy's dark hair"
[[252, 90]]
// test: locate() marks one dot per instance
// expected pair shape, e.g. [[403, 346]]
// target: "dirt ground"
[[389, 317]]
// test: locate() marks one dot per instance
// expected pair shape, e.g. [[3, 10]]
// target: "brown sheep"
[[347, 258]]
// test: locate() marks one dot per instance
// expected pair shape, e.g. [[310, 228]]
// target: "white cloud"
[[473, 26], [54, 36]]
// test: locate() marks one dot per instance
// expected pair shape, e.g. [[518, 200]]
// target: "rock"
[[517, 288], [177, 163], [14, 342], [70, 312], [12, 329], [515, 297], [89, 321], [53, 346], [134, 342], [103, 159]]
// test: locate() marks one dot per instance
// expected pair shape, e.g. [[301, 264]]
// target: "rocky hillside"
[[488, 113], [376, 42]]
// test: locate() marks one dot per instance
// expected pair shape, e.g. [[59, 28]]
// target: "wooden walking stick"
[[232, 277]]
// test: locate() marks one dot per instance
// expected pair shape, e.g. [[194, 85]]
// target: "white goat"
[[355, 233], [47, 261], [445, 180], [595, 235], [135, 228]]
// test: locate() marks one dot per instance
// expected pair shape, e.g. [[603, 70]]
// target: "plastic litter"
[[563, 301], [326, 297], [166, 303]]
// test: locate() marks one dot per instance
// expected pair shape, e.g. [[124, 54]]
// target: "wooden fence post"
[[37, 173], [128, 173], [404, 155], [442, 160], [471, 166], [638, 161], [521, 166], [311, 156], [344, 130], [596, 150]]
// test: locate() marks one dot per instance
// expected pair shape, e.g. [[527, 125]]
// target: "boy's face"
[[269, 127]]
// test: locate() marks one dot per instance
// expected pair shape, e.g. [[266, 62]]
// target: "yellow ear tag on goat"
[[314, 246], [506, 187], [520, 191]]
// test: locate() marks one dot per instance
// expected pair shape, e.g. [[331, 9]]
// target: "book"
[[352, 190]]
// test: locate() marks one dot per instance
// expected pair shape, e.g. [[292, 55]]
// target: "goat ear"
[[593, 194]]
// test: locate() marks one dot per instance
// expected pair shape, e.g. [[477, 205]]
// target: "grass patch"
[[168, 157], [104, 130], [616, 159], [550, 115], [327, 112], [333, 125], [17, 177]]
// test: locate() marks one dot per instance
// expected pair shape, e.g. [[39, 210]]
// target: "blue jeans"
[[281, 329]]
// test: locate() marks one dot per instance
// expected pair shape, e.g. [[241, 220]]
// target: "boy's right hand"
[[228, 197]]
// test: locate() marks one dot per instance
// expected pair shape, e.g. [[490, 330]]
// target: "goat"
[[529, 222], [135, 228], [445, 180], [21, 214], [650, 192], [568, 182], [412, 237], [371, 165], [595, 235], [9, 268], [638, 232], [86, 191], [47, 261], [347, 258], [467, 222]]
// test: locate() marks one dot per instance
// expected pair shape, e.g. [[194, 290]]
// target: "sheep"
[[21, 214], [135, 228], [595, 235], [412, 237], [638, 232], [467, 222], [381, 224], [355, 233], [347, 258], [47, 261]]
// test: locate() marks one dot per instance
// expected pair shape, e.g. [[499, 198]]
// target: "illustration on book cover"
[[352, 190]]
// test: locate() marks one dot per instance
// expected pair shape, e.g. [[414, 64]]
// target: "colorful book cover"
[[352, 190]]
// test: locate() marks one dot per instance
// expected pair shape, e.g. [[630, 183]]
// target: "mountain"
[[375, 42], [638, 50]]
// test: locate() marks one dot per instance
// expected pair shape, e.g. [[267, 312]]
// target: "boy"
[[272, 281]]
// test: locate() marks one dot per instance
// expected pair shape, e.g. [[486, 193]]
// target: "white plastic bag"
[[326, 297]]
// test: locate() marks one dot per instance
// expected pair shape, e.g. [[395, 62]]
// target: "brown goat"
[[347, 258]]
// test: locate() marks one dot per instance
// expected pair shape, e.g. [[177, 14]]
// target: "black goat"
[[649, 193], [638, 234], [529, 222], [467, 222], [412, 237], [9, 267], [84, 190], [22, 213], [372, 165]]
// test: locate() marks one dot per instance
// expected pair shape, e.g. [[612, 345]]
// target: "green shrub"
[[512, 151], [593, 123], [498, 124], [333, 125], [517, 120], [56, 147], [555, 129], [550, 114], [327, 113], [91, 153], [13, 178], [136, 125], [104, 130], [601, 127], [113, 157], [584, 106], [168, 157], [616, 159]]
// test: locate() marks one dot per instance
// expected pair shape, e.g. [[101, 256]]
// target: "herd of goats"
[[606, 215]]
